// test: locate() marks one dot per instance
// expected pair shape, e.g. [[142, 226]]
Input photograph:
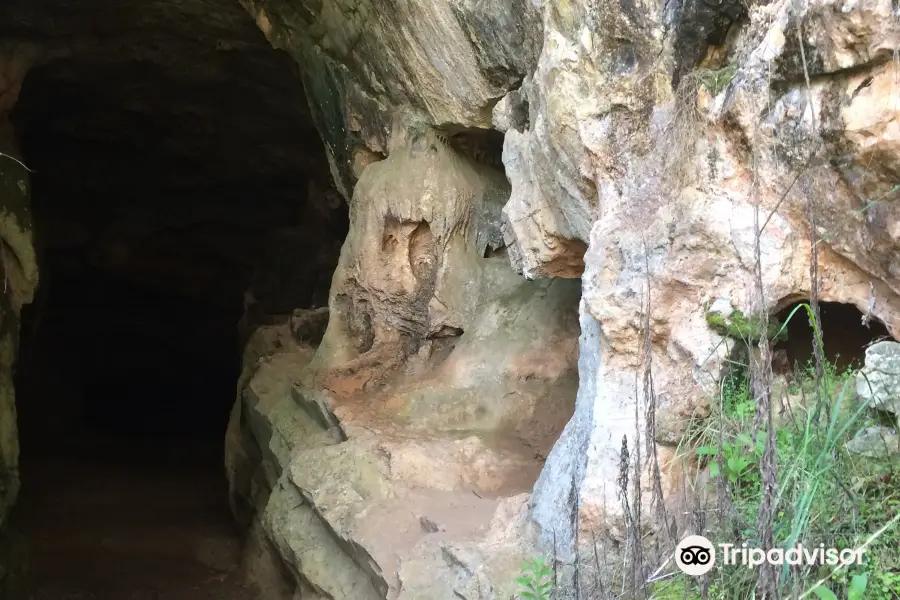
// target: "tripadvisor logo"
[[695, 555]]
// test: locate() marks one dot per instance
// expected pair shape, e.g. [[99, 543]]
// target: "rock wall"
[[495, 154], [393, 457], [18, 263], [644, 143], [741, 132], [443, 377]]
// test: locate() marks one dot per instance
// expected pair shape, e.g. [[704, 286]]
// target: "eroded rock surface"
[[875, 441], [878, 383], [451, 60], [642, 147], [493, 153], [414, 432], [355, 506]]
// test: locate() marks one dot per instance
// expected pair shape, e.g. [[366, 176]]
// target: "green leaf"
[[714, 469], [745, 439], [707, 450], [823, 593], [857, 587], [760, 442], [736, 464]]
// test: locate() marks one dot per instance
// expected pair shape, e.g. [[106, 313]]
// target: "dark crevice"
[[844, 340], [483, 146], [181, 191], [701, 24]]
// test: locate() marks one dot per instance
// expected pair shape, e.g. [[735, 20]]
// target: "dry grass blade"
[[657, 500], [17, 161], [761, 378]]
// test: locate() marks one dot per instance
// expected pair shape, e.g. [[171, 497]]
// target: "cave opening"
[[845, 336], [180, 195]]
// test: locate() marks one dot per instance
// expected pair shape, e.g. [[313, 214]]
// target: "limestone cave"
[[364, 300]]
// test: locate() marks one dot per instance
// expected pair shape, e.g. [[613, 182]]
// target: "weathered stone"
[[640, 153], [511, 112], [361, 62], [875, 441], [878, 383], [403, 56], [447, 375], [308, 326], [677, 173], [645, 149], [405, 274]]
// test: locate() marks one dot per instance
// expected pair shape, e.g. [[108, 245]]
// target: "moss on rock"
[[739, 326], [718, 80]]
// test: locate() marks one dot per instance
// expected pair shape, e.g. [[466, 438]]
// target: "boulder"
[[875, 441], [878, 382]]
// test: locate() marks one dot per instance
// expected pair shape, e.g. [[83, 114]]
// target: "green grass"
[[825, 495]]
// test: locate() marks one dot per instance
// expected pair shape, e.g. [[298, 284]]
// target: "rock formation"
[[468, 401], [441, 382], [17, 259]]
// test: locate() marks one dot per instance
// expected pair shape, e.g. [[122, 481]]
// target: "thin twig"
[[16, 160], [781, 200], [599, 571]]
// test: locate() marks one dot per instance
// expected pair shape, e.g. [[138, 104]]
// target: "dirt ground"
[[114, 520]]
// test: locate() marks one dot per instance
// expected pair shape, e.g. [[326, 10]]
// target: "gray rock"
[[555, 497], [875, 441], [722, 306], [511, 112], [879, 381]]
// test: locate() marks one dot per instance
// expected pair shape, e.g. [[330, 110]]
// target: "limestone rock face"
[[356, 506], [451, 60], [675, 233], [878, 383], [494, 155], [642, 150], [875, 441], [414, 431], [395, 460]]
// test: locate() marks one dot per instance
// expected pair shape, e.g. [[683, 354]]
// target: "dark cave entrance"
[[106, 357], [178, 185], [844, 340]]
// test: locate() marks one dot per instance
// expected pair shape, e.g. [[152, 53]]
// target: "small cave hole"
[[499, 251], [845, 337], [421, 251], [483, 146]]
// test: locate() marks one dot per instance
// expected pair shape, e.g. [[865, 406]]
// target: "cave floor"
[[113, 520]]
